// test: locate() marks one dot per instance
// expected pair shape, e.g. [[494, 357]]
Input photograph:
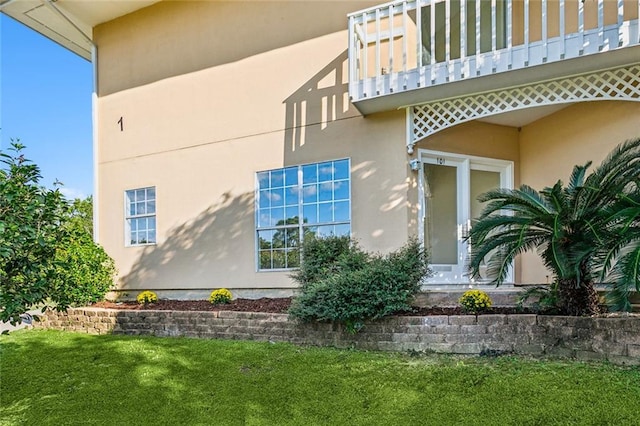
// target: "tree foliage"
[[585, 231], [46, 248], [84, 270]]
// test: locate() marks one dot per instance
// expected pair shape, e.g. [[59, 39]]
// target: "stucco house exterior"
[[225, 131]]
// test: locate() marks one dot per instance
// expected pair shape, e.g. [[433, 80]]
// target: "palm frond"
[[524, 199], [500, 249], [590, 226], [577, 177], [501, 260], [615, 173], [625, 276]]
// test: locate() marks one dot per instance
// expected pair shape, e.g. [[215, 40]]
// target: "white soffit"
[[85, 14], [522, 117]]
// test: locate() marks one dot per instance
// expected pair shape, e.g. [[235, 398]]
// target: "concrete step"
[[449, 297]]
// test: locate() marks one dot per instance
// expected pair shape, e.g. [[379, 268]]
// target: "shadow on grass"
[[67, 378], [53, 377]]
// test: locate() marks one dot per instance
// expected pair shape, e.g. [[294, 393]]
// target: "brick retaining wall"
[[614, 339]]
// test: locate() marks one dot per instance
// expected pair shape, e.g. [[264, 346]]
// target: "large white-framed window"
[[297, 201], [140, 216]]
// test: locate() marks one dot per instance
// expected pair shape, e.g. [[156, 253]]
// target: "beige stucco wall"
[[478, 139], [201, 116], [172, 38], [551, 146], [210, 93]]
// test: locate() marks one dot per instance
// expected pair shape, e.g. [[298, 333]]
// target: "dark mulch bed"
[[277, 305], [457, 310]]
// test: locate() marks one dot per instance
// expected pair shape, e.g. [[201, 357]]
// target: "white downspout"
[[94, 120], [94, 110]]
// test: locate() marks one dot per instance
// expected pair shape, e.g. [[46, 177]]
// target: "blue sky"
[[45, 101]]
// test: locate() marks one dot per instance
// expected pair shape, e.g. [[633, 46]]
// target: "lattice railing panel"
[[432, 117]]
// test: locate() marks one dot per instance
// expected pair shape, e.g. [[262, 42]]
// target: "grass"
[[50, 377]]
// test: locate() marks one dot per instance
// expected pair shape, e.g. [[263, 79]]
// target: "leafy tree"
[[30, 218], [84, 270], [80, 215], [45, 252], [589, 226]]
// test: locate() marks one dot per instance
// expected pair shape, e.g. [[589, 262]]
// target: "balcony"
[[409, 52]]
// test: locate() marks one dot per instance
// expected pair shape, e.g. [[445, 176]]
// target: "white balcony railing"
[[406, 45]]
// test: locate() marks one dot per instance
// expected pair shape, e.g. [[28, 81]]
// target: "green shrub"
[[220, 296], [146, 297], [475, 301], [85, 271], [326, 256], [350, 286]]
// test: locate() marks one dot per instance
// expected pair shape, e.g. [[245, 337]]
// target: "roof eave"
[[69, 23]]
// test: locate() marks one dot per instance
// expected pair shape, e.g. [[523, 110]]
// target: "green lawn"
[[59, 378]]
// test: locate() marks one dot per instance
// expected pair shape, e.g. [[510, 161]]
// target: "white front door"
[[449, 187]]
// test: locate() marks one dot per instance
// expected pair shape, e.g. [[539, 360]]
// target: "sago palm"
[[578, 229]]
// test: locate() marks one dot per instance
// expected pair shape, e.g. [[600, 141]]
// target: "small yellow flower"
[[219, 296], [147, 297], [475, 301]]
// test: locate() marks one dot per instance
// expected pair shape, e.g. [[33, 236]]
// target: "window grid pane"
[[291, 176], [325, 191], [277, 197], [291, 196], [341, 190], [319, 192], [309, 194], [325, 172]]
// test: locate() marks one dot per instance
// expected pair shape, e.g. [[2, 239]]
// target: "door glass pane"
[[441, 222], [481, 182]]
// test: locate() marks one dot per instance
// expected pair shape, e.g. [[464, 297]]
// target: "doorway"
[[449, 186]]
